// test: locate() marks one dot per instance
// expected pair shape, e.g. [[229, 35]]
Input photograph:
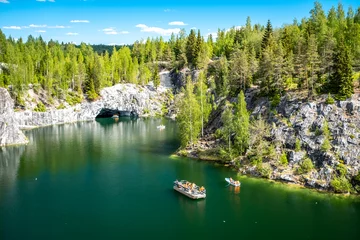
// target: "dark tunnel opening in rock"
[[109, 113]]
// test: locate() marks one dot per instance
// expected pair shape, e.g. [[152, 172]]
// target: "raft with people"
[[189, 189], [233, 182]]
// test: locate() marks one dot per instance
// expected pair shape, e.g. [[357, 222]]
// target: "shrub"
[[61, 106], [264, 170], [305, 166], [326, 145], [275, 100], [297, 145], [40, 107], [146, 111], [283, 159], [341, 169], [341, 185], [330, 100]]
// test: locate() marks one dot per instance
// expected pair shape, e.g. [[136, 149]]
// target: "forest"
[[318, 54]]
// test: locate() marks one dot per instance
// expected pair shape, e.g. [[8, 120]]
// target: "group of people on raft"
[[235, 182], [190, 186]]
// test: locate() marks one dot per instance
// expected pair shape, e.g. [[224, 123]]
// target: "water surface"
[[112, 179]]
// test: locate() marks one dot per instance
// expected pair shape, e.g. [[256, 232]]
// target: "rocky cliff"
[[300, 119], [9, 128], [126, 98], [304, 120]]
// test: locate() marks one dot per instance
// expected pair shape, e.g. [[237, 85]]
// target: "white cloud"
[[4, 1], [57, 26], [79, 21], [12, 27], [37, 26], [193, 28], [40, 31], [112, 31], [169, 10], [72, 34], [45, 0], [161, 31], [177, 23]]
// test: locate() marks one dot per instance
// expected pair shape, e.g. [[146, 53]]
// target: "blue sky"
[[123, 22]]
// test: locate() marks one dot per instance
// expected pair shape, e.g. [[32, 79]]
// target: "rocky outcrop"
[[129, 98], [304, 120], [9, 129]]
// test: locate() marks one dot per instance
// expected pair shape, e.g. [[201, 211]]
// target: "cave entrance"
[[108, 113]]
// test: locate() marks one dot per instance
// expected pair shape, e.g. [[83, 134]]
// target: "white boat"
[[190, 190], [232, 182], [115, 116], [161, 127]]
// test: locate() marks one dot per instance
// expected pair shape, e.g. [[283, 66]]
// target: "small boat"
[[161, 127], [115, 116], [189, 189], [232, 182]]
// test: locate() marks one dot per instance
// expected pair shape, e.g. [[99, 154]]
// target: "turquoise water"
[[111, 179]]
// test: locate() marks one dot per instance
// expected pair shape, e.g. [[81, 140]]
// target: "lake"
[[112, 179]]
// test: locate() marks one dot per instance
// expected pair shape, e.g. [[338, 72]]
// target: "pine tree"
[[191, 45], [267, 35], [341, 81]]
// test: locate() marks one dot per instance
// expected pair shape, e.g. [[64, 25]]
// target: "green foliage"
[[305, 166], [341, 82], [297, 145], [330, 100], [264, 170], [73, 98], [318, 132], [61, 106], [341, 169], [189, 116], [275, 100], [325, 129], [40, 107], [241, 125], [341, 184], [156, 77], [326, 146], [259, 146], [146, 111], [204, 99], [283, 159]]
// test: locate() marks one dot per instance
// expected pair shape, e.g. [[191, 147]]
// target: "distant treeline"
[[316, 54]]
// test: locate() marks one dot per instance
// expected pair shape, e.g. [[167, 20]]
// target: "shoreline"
[[295, 185]]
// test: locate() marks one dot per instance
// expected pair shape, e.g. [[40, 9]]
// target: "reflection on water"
[[9, 164], [86, 139]]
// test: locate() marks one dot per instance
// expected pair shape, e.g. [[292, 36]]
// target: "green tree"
[[241, 125], [189, 116], [204, 100], [228, 127], [156, 76], [341, 81]]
